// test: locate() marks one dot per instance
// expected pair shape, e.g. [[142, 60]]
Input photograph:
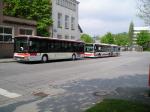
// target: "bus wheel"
[[73, 57], [44, 58]]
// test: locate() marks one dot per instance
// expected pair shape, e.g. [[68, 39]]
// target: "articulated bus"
[[101, 50], [34, 48]]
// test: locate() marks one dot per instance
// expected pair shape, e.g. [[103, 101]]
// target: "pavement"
[[7, 60], [73, 86]]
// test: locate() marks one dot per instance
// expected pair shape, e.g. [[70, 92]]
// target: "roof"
[[49, 38], [80, 29], [142, 28], [113, 45]]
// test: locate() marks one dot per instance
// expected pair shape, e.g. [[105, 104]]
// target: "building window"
[[66, 21], [67, 4], [59, 36], [66, 36], [6, 33], [73, 37], [59, 20], [72, 23], [25, 31]]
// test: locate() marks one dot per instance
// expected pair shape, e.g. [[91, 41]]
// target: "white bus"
[[115, 50], [101, 50], [33, 48]]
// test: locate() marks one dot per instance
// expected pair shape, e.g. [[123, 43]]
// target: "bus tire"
[[73, 57], [44, 58]]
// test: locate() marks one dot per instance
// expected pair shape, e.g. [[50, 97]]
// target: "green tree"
[[131, 33], [143, 39], [87, 38], [108, 39], [38, 10], [121, 39], [144, 10]]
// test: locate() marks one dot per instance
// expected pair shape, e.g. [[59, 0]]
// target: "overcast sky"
[[97, 17]]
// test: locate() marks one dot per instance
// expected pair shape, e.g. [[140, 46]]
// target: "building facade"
[[65, 19], [137, 30], [12, 26], [65, 22]]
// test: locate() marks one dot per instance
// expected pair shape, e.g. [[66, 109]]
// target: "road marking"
[[8, 94]]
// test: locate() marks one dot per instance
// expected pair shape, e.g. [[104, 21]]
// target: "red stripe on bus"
[[27, 54], [92, 54]]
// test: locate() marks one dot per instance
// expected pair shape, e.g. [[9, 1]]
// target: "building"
[[137, 30], [65, 19], [65, 22], [12, 26]]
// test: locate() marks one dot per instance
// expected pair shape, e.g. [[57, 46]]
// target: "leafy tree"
[[108, 39], [144, 10], [38, 10], [87, 38], [121, 39], [143, 39], [131, 33]]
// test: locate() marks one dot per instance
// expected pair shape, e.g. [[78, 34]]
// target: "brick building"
[[12, 26]]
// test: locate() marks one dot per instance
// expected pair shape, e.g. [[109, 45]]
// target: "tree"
[[121, 39], [143, 39], [131, 33], [87, 38], [144, 10], [108, 39], [38, 10]]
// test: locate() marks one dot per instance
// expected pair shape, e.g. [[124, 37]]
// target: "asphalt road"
[[69, 86]]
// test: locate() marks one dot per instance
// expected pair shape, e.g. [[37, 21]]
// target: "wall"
[[6, 50], [64, 11], [1, 11]]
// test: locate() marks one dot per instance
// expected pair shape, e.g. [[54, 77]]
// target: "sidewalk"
[[7, 60]]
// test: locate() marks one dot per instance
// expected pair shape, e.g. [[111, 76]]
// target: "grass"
[[112, 105]]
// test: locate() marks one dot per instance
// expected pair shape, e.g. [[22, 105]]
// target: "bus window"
[[89, 48], [21, 45], [43, 46]]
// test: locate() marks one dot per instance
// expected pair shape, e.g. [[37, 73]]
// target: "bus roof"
[[48, 38], [102, 44]]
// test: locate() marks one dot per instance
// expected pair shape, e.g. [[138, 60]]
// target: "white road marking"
[[8, 94]]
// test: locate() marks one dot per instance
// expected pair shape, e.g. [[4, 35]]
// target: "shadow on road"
[[82, 94]]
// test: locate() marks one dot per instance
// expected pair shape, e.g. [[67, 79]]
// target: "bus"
[[115, 50], [101, 50], [34, 48]]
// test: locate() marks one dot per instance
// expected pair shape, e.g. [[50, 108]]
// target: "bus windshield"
[[89, 48], [21, 45]]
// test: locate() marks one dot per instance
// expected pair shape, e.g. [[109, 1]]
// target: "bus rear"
[[115, 49]]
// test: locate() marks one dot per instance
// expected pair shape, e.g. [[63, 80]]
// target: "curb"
[[7, 61]]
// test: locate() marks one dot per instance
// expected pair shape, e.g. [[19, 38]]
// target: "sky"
[[97, 17]]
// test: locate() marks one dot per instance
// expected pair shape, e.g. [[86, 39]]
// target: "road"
[[68, 86]]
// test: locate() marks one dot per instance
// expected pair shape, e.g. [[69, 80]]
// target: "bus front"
[[89, 50], [21, 48], [27, 49]]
